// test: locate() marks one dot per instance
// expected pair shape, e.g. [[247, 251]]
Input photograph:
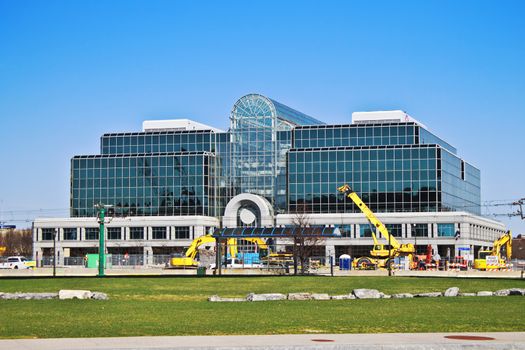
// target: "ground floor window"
[[136, 232], [114, 233], [70, 234], [158, 232], [419, 230], [91, 233], [182, 232], [345, 230], [445, 230], [47, 234], [365, 231], [394, 229]]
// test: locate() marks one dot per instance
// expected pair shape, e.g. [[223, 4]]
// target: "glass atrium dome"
[[260, 141]]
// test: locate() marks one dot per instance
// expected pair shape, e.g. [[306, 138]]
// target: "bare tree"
[[17, 242], [305, 241]]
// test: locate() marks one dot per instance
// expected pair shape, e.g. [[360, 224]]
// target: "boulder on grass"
[[218, 299], [299, 296], [484, 293], [402, 295], [366, 293], [452, 292], [343, 297], [265, 297], [502, 292], [320, 296], [428, 295], [74, 294], [516, 291], [99, 296]]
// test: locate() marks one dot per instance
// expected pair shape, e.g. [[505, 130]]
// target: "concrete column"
[[148, 256], [37, 254], [60, 255], [329, 252]]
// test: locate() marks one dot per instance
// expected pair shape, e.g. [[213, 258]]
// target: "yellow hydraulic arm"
[[347, 190], [505, 240], [232, 244]]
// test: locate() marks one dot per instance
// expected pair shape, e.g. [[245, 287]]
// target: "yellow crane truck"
[[380, 255], [495, 259]]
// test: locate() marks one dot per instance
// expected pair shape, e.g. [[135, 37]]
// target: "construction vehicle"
[[494, 259], [380, 256], [188, 260]]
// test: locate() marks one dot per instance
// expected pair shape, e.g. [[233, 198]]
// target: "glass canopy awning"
[[240, 232]]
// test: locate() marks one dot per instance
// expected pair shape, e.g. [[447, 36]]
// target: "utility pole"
[[55, 252], [520, 209], [101, 214]]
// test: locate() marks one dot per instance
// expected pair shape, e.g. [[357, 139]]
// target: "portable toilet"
[[345, 262]]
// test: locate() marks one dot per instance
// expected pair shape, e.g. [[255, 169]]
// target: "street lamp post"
[[101, 214]]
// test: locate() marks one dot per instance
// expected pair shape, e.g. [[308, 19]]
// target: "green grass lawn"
[[178, 306]]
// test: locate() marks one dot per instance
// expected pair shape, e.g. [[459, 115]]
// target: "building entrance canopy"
[[242, 232]]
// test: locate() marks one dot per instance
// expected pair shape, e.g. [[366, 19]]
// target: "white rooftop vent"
[[376, 117], [175, 125]]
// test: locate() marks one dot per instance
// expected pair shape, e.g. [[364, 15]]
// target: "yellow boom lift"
[[188, 260], [379, 255], [494, 259]]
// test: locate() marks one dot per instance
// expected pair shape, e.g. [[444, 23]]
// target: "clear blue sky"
[[72, 70]]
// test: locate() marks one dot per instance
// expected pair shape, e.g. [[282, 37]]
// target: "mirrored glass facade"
[[145, 185], [293, 160]]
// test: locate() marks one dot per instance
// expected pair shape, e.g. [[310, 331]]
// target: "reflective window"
[[158, 232], [114, 233], [445, 230], [136, 232], [92, 233], [70, 234], [48, 234]]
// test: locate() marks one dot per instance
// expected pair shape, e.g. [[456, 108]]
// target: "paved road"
[[434, 341]]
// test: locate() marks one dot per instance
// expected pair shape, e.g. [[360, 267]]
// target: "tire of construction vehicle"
[[364, 264]]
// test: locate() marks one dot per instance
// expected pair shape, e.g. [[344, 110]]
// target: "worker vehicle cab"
[[498, 257], [17, 262]]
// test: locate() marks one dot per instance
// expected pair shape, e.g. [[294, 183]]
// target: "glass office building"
[[277, 162]]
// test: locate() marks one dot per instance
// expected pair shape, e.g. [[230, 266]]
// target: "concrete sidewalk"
[[434, 341]]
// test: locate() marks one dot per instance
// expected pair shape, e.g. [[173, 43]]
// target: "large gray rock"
[[402, 295], [41, 296], [428, 295], [99, 296], [366, 293], [343, 297], [299, 296], [516, 291], [28, 296], [218, 299], [484, 293], [265, 297], [384, 296], [502, 292], [320, 296], [74, 294], [452, 292]]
